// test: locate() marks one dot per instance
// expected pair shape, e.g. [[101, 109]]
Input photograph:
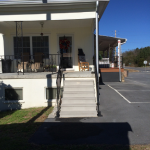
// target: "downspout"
[[97, 60], [97, 49], [124, 42]]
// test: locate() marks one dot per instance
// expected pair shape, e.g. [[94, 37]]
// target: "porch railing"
[[105, 62], [29, 63]]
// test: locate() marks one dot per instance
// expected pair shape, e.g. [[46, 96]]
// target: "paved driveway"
[[133, 106], [139, 68]]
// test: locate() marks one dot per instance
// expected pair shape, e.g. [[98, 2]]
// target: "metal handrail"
[[97, 87], [58, 83]]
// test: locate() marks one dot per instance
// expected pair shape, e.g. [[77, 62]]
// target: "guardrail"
[[29, 63]]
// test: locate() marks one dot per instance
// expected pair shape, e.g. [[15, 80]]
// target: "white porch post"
[[97, 49], [97, 58], [119, 50], [1, 50]]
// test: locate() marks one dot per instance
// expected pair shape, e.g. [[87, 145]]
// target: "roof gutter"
[[124, 42]]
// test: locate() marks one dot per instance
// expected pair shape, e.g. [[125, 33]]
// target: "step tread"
[[78, 114], [78, 98], [79, 80], [78, 92], [78, 105], [78, 102], [77, 86]]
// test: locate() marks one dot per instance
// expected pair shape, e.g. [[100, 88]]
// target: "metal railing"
[[105, 62], [97, 87], [29, 63], [58, 83]]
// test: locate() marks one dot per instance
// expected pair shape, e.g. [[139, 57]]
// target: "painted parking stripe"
[[126, 98], [120, 94], [133, 90]]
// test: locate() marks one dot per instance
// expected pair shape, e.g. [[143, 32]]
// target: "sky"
[[130, 19]]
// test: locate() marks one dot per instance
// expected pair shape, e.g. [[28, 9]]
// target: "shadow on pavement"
[[72, 131]]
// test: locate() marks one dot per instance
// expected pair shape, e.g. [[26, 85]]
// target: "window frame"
[[15, 47], [31, 46], [39, 47], [13, 101], [52, 88]]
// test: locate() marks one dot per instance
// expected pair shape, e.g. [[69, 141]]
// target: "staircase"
[[78, 99]]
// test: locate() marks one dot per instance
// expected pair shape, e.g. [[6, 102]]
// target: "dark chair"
[[38, 61], [82, 63]]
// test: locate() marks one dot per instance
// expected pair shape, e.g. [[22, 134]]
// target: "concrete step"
[[78, 108], [79, 88], [79, 81], [79, 98], [75, 101], [74, 82], [78, 94], [66, 114], [78, 105]]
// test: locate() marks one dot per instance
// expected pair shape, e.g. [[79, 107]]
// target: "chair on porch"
[[82, 63], [25, 58], [38, 61]]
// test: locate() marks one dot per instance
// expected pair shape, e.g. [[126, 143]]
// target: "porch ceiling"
[[51, 24]]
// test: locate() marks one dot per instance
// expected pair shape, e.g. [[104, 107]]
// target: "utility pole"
[[115, 47]]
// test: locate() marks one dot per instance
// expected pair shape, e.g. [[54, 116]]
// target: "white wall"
[[82, 38], [34, 93]]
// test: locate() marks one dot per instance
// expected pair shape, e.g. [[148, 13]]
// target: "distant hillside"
[[136, 57]]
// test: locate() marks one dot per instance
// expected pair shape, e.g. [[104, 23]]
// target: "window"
[[51, 93], [26, 46], [40, 44], [13, 94]]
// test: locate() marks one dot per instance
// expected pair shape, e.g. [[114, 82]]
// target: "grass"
[[16, 128]]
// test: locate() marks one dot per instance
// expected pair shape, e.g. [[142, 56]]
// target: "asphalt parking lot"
[[132, 105], [136, 87], [142, 69]]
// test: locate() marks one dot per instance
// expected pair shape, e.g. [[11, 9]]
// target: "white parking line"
[[133, 90], [126, 98], [120, 94], [140, 102], [139, 83]]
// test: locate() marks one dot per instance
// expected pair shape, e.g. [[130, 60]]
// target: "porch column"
[[97, 56], [119, 50], [97, 48], [1, 50], [1, 44]]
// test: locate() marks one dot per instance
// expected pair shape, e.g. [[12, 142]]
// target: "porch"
[[45, 75], [34, 46]]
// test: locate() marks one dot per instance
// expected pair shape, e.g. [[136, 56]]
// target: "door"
[[65, 47]]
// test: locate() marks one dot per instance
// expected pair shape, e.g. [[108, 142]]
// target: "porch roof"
[[23, 6], [106, 41]]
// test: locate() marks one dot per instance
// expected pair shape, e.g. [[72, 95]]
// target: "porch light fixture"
[[42, 24]]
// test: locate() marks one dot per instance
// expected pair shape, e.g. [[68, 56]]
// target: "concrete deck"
[[44, 75]]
